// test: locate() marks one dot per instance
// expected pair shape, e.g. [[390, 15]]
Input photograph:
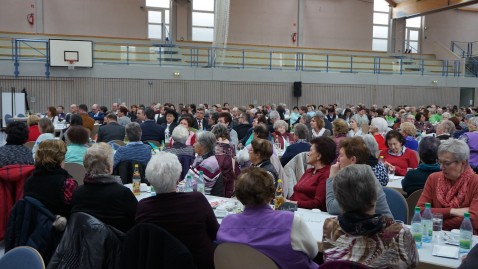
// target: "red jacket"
[[12, 179], [33, 133]]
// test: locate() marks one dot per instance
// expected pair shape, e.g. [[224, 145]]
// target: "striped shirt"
[[133, 151]]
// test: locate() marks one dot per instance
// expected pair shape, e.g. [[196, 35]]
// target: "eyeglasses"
[[446, 163]]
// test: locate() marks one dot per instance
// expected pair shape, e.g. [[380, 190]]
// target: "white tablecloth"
[[315, 221], [395, 182]]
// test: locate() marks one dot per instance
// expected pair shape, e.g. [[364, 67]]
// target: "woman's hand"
[[334, 170], [459, 211]]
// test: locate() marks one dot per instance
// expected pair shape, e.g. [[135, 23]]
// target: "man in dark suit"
[[301, 134], [201, 123], [96, 114], [151, 130], [111, 130]]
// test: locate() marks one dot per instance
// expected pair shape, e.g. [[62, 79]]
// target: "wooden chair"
[[412, 201], [239, 256], [118, 142], [29, 144], [94, 132], [77, 171]]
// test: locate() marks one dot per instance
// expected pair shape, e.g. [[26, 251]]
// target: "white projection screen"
[[61, 51]]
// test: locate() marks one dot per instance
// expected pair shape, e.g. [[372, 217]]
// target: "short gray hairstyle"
[[180, 134], [459, 149], [220, 131], [473, 121], [446, 114], [280, 123], [274, 115], [133, 131], [207, 140], [98, 159], [163, 172], [301, 131], [380, 123], [371, 143], [355, 188], [358, 120], [448, 127]]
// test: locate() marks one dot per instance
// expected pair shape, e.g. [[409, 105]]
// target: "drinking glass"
[[437, 227]]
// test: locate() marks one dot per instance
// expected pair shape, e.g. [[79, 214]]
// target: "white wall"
[[447, 26]]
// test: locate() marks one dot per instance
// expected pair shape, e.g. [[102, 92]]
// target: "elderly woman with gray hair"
[[355, 124], [378, 168], [281, 136], [206, 161], [378, 128], [358, 234], [193, 221], [453, 191], [102, 195], [135, 150], [179, 148]]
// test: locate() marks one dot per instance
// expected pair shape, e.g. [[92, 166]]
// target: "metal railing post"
[[270, 60], [423, 66], [327, 64], [302, 62], [351, 60], [243, 58], [401, 66]]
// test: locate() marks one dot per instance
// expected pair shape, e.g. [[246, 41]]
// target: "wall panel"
[[55, 91]]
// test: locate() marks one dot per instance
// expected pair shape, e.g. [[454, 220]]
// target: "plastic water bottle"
[[416, 229], [427, 223], [466, 234], [200, 183], [189, 184]]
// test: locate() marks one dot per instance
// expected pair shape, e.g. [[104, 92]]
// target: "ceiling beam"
[[414, 8], [391, 3]]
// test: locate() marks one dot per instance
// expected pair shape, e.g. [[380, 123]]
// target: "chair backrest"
[[149, 246], [29, 144], [22, 258], [21, 115], [125, 170], [77, 171], [343, 264], [397, 203], [239, 256], [93, 133], [119, 142], [8, 118], [294, 170], [412, 201], [154, 142]]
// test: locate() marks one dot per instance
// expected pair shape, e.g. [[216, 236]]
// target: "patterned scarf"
[[451, 194]]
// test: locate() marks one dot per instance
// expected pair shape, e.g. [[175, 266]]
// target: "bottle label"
[[136, 187], [465, 244]]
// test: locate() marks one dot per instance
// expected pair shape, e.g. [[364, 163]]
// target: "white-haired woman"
[[206, 161], [187, 216], [378, 168], [378, 128], [360, 235], [102, 195], [281, 135], [355, 124], [179, 148]]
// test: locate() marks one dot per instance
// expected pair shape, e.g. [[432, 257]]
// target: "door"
[[412, 39]]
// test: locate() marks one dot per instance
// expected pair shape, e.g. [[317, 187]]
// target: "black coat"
[[111, 131]]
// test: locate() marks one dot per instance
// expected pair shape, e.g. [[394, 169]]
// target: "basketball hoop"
[[71, 64]]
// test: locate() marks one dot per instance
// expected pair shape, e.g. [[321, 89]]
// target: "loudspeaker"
[[298, 89]]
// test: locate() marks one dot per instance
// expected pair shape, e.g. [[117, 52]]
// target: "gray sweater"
[[333, 207]]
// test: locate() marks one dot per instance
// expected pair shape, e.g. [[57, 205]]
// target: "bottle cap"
[[428, 205], [201, 173], [417, 209], [467, 214], [381, 157], [279, 181], [136, 165]]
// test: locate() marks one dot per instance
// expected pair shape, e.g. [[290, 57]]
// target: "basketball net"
[[71, 64]]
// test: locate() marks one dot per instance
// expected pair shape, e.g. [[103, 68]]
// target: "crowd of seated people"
[[405, 140]]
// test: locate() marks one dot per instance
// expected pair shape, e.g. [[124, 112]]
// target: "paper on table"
[[445, 251]]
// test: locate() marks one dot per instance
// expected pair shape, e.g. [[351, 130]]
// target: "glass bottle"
[[416, 227], [279, 195]]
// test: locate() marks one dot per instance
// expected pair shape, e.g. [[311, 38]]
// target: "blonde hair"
[[32, 120], [408, 128], [50, 153]]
